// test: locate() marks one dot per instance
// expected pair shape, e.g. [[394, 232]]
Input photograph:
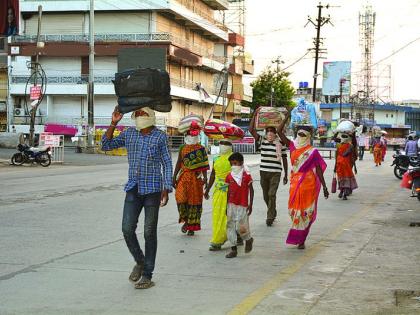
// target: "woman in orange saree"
[[344, 163], [305, 184], [377, 145]]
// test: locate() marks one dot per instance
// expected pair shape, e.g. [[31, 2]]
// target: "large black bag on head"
[[142, 87]]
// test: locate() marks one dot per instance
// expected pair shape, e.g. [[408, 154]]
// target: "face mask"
[[143, 122], [225, 149], [271, 136], [190, 140], [237, 169]]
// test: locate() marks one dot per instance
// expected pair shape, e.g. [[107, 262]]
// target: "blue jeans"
[[133, 205]]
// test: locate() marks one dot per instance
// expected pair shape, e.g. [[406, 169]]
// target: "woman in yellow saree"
[[221, 169], [305, 183]]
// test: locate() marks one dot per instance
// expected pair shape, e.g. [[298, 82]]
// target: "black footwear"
[[301, 246], [340, 195], [248, 245], [233, 253], [345, 197], [136, 273], [269, 222], [144, 283], [190, 233]]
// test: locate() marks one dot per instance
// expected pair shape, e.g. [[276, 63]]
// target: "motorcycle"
[[402, 162], [411, 180], [28, 154]]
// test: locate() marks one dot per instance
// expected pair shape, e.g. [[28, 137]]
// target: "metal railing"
[[83, 79], [123, 37], [190, 6], [63, 79]]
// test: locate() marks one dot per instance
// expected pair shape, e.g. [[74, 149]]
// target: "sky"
[[277, 28]]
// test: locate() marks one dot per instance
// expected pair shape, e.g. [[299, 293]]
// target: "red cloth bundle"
[[218, 130]]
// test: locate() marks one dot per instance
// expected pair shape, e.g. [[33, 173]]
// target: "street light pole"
[[35, 106], [91, 125], [342, 81]]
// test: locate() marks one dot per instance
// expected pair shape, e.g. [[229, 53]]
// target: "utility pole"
[[277, 61], [91, 124], [320, 22], [35, 106]]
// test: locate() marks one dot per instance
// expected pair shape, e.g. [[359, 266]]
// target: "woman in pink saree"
[[306, 180]]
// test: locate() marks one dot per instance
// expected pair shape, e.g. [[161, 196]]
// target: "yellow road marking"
[[252, 300]]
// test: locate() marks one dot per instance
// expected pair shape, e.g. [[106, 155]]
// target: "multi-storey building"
[[198, 47]]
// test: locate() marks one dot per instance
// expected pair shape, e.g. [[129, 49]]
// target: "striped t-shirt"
[[269, 160]]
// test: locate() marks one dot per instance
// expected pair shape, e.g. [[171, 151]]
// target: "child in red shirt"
[[239, 209]]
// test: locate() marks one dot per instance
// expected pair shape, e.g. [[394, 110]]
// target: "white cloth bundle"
[[185, 123]]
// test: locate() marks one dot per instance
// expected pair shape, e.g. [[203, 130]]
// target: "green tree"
[[283, 90]]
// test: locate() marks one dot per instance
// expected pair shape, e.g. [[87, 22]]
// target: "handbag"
[[334, 184]]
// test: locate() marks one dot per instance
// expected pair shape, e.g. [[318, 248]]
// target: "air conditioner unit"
[[19, 112]]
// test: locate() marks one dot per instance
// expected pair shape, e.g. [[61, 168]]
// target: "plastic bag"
[[334, 184], [304, 114]]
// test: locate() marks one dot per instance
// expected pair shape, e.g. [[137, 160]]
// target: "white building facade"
[[198, 48]]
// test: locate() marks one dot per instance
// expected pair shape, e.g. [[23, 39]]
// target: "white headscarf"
[[301, 142], [143, 122]]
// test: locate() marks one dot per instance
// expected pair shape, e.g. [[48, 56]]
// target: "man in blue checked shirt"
[[148, 186]]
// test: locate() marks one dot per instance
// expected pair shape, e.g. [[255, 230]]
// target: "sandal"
[[215, 248], [136, 273], [144, 283], [233, 253], [190, 233]]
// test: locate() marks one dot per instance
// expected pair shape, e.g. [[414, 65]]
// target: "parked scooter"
[[402, 162], [411, 181], [27, 154]]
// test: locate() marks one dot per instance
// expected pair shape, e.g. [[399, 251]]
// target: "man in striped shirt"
[[273, 153]]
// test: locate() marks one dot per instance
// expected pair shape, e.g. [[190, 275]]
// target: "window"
[[2, 43], [345, 115], [392, 115], [386, 115]]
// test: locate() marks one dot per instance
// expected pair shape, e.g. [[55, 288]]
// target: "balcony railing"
[[131, 37], [190, 6], [128, 37], [65, 79], [83, 79]]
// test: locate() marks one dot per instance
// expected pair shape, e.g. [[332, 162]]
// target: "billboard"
[[335, 71], [9, 17]]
